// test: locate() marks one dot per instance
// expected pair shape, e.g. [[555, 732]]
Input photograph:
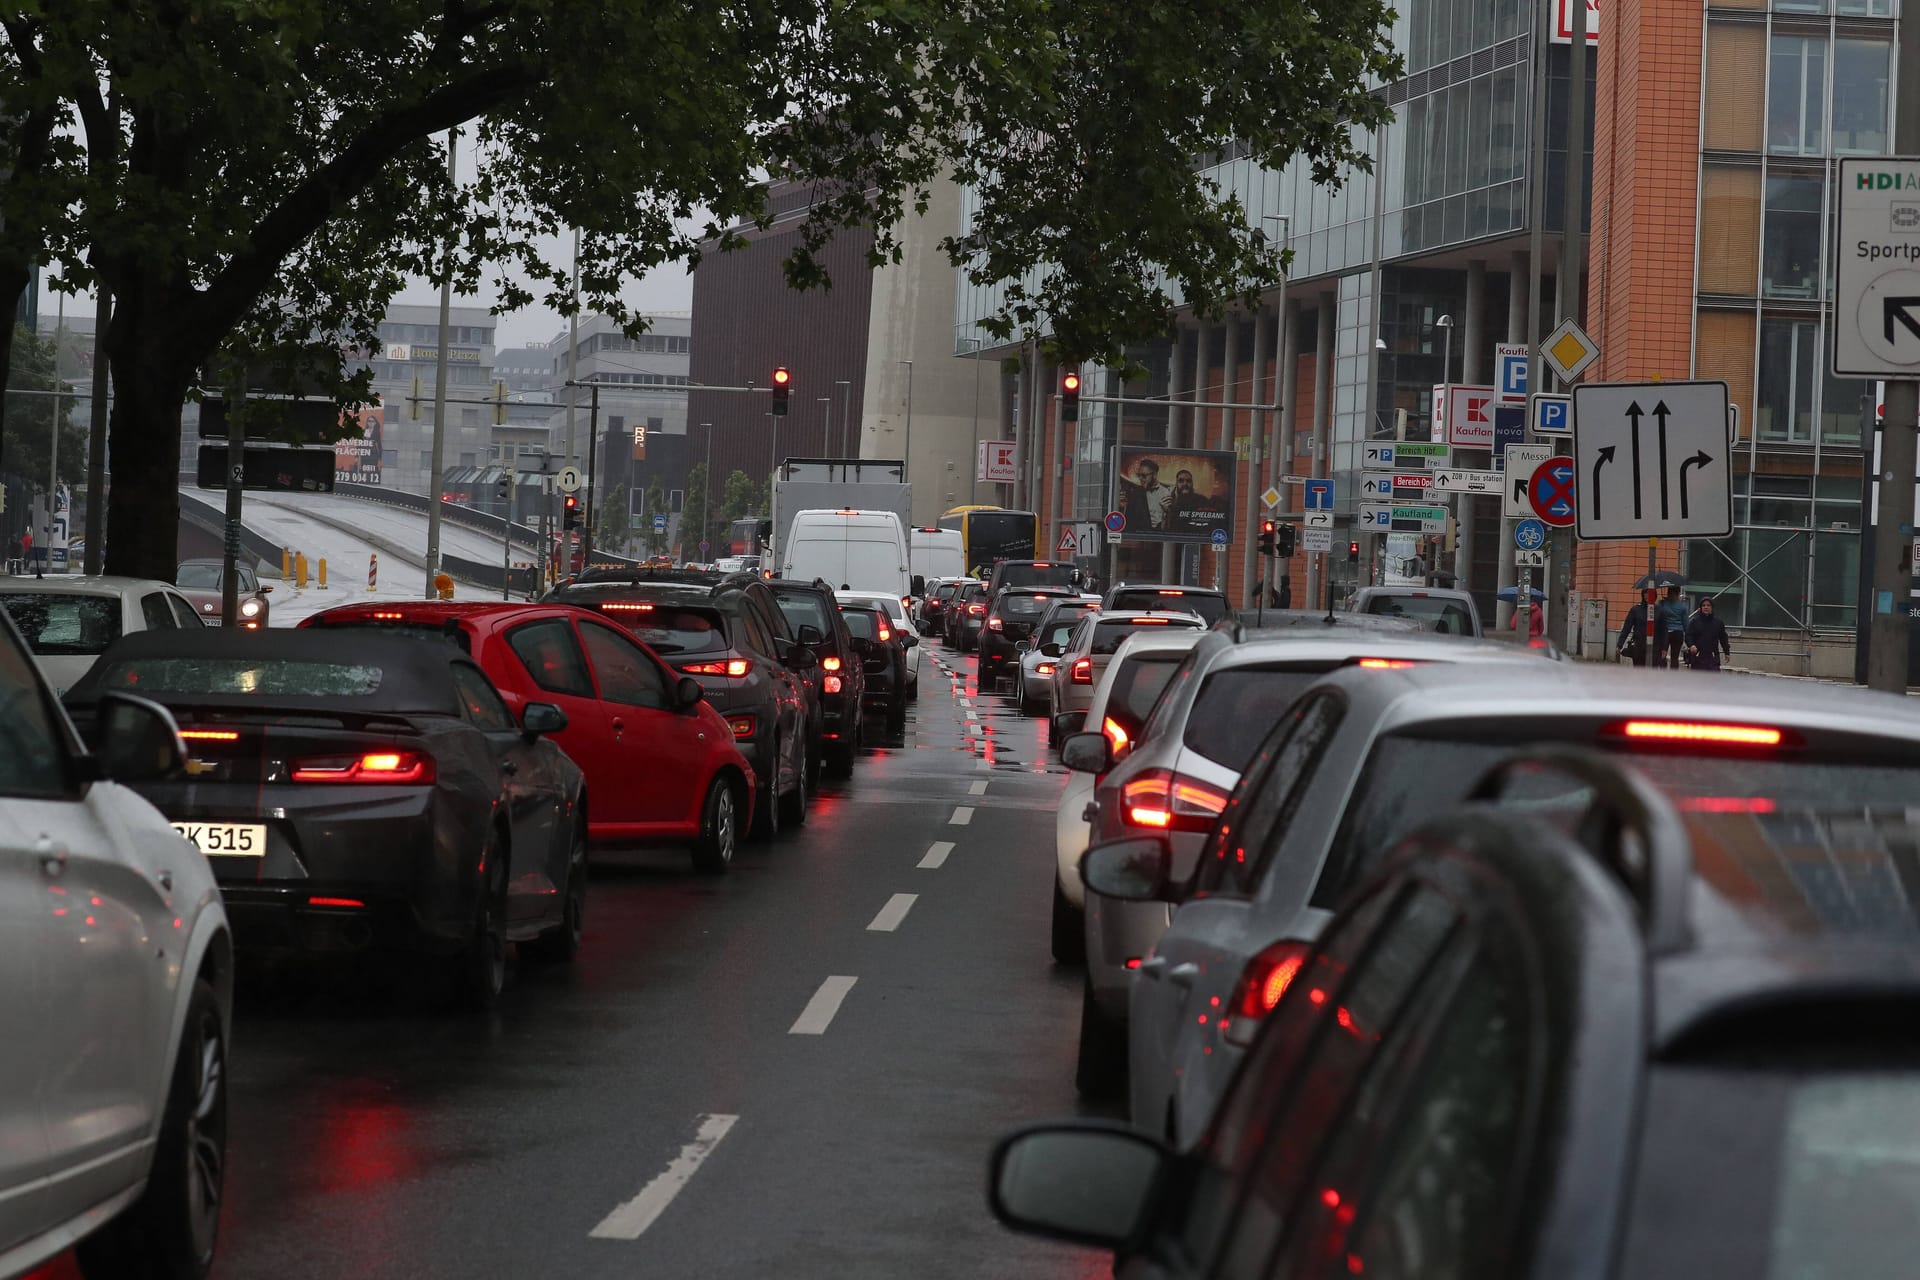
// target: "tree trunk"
[[150, 382]]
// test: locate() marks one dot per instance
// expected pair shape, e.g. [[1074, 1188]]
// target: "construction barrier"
[[373, 572], [323, 573], [300, 570], [286, 564]]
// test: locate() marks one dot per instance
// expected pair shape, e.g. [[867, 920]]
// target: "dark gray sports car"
[[364, 791]]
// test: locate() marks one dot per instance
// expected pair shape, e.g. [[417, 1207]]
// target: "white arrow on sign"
[[568, 480], [1651, 460], [1319, 519], [1522, 461], [1372, 486]]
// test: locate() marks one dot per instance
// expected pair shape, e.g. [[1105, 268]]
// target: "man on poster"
[[1146, 503]]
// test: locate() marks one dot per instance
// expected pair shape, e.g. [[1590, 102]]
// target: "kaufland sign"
[[1464, 416]]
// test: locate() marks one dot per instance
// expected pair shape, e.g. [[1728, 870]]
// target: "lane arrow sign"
[[1700, 459], [1900, 310], [1633, 415], [1660, 411], [1605, 456]]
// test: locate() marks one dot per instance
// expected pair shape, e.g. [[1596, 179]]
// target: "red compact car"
[[660, 763]]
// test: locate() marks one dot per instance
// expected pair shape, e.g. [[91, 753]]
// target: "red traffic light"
[[1070, 383], [1266, 526], [573, 501], [781, 377]]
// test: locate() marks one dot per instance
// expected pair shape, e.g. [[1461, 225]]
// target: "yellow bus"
[[991, 535]]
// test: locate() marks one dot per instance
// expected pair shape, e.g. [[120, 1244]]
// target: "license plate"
[[226, 839]]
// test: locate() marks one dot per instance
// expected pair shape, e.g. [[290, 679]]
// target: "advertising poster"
[[357, 461], [1174, 495]]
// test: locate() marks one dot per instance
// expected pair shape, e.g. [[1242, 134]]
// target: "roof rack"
[[1629, 827]]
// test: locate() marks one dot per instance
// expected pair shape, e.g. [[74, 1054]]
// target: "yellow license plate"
[[226, 839]]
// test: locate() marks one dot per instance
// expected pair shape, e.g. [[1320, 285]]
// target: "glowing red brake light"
[[885, 632], [1170, 593], [1149, 622], [1045, 669], [1725, 804], [735, 667], [1385, 664], [376, 767], [829, 664], [742, 726], [1082, 672], [832, 684], [976, 609], [1745, 735], [625, 606], [209, 735], [351, 904], [995, 624], [1117, 737], [1162, 799], [388, 615], [1262, 983]]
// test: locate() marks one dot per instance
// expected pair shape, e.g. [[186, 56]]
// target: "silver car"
[[1085, 655], [116, 980], [1364, 757], [68, 621], [1036, 666], [1225, 698]]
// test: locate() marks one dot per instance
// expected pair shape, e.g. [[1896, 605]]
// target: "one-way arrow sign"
[[1900, 311], [1651, 460]]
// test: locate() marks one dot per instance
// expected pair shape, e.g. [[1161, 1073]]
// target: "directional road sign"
[[1271, 498], [1550, 415], [1319, 495], [1378, 517], [705, 546], [568, 480], [1403, 455], [1468, 481], [659, 524], [1313, 539], [1522, 460], [1319, 520], [1568, 350], [1530, 535], [1219, 538], [1115, 522], [1876, 304], [1510, 370], [1550, 491], [1652, 460], [1381, 485]]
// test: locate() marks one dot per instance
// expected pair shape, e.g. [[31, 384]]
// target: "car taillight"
[[624, 606], [1384, 664], [829, 664], [1741, 735], [1045, 669], [735, 667], [1117, 737], [831, 684], [886, 634], [1082, 671], [976, 609], [995, 624], [742, 726], [371, 767], [1165, 801], [383, 615], [1262, 983], [209, 735]]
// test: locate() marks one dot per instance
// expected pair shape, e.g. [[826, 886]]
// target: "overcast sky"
[[669, 289]]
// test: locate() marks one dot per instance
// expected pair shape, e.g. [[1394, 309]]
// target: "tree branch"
[[317, 198]]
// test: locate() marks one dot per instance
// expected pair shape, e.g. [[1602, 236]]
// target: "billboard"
[[1174, 495], [358, 461], [995, 462]]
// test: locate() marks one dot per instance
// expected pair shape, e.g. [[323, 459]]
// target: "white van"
[[936, 553], [849, 550]]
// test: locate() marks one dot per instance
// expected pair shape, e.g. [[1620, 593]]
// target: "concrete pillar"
[[1176, 386], [1517, 297], [1229, 418], [1286, 463], [1505, 576], [1204, 388], [1326, 319], [1257, 455], [1472, 369]]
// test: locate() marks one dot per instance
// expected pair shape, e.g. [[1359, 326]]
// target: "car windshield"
[[1210, 608], [804, 609], [862, 623], [666, 628], [229, 675], [1434, 613], [1036, 575], [1138, 684], [198, 577], [1236, 709], [60, 624], [1108, 635], [1017, 604]]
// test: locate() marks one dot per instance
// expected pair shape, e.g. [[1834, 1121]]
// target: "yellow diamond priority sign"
[[1271, 497], [1568, 350]]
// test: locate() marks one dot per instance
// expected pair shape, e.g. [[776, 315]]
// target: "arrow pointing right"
[[1605, 456], [1700, 459], [1898, 310]]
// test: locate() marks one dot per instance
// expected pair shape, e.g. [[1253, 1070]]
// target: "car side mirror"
[[266, 590], [139, 740], [910, 640], [1132, 870], [1022, 646], [542, 718], [1052, 650], [1090, 1183], [809, 634], [801, 658], [919, 585], [687, 693], [1086, 753]]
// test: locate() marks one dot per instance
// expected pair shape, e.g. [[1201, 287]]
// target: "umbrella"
[[1660, 578], [1513, 593]]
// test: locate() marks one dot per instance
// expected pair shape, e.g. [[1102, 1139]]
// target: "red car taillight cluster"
[[1265, 979], [1164, 801], [380, 767], [832, 684], [1082, 671], [735, 667], [976, 609], [742, 726], [995, 624]]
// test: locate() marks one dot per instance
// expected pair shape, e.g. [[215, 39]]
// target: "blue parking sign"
[[1510, 362], [1551, 415]]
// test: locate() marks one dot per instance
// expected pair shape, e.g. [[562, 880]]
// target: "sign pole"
[[1573, 259], [236, 474]]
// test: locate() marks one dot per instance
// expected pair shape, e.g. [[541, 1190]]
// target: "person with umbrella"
[[1706, 638], [1670, 629], [1535, 615]]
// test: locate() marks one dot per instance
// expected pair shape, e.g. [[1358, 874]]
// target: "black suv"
[[1010, 619], [1062, 574], [884, 655], [750, 676], [816, 620], [751, 591], [1602, 1024], [966, 614]]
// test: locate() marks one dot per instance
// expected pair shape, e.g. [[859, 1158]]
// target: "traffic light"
[[782, 387], [1353, 553], [1268, 533], [1287, 541], [505, 487], [571, 519], [1070, 397]]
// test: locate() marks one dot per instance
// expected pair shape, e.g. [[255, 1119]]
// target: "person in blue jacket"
[[1670, 629]]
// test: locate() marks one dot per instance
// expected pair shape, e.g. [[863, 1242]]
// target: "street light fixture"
[[1445, 324], [846, 426]]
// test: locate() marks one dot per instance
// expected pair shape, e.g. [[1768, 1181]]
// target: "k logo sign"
[[1477, 408], [1469, 416]]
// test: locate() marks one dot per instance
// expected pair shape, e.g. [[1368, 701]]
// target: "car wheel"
[[560, 944], [793, 805], [766, 809], [1100, 1070], [1030, 706], [913, 689], [480, 970], [1069, 929], [170, 1231], [719, 829]]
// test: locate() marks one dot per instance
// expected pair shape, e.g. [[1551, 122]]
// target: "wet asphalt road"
[[375, 1137]]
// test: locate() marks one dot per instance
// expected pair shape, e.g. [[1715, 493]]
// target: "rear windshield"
[[1108, 636], [1014, 604], [237, 675], [1211, 608], [1035, 575], [1434, 613], [1138, 684], [1056, 632], [1796, 811], [862, 623], [806, 610], [1237, 708], [64, 624], [417, 630], [667, 628], [944, 590]]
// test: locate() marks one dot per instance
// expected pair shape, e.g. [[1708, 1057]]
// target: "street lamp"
[[846, 426], [1445, 324], [828, 445]]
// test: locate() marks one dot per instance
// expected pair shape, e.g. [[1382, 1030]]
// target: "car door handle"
[[1153, 966], [1183, 975], [509, 768], [619, 727]]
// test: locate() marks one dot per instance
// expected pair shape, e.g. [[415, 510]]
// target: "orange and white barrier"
[[373, 572]]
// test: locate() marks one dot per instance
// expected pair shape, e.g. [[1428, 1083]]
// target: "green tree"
[[611, 526], [260, 178], [743, 497], [696, 523], [29, 419]]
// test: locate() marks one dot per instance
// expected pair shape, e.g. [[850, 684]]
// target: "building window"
[[1788, 355], [1841, 402], [1860, 96], [1730, 206], [1796, 95], [389, 457], [426, 459], [1736, 63], [1791, 262]]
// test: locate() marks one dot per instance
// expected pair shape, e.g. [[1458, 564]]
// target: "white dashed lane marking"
[[979, 788], [962, 815], [936, 854], [814, 1019], [893, 913], [629, 1220]]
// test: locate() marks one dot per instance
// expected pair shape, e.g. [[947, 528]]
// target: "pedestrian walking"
[[1707, 638], [1670, 629], [1632, 642], [1536, 620]]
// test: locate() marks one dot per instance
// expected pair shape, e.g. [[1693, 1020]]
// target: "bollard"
[[286, 564], [373, 572], [323, 573], [300, 570]]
